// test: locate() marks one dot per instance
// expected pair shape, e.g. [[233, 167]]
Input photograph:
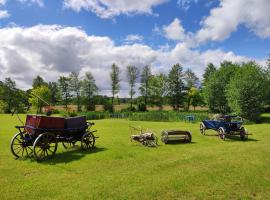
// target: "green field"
[[208, 168]]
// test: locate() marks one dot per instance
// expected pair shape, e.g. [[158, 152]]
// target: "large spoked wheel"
[[45, 146], [68, 145], [20, 145], [202, 128], [243, 134], [221, 133], [88, 141]]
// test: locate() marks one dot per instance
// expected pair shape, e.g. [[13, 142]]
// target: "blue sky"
[[154, 32]]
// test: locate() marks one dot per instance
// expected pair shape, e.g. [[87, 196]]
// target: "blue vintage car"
[[225, 125]]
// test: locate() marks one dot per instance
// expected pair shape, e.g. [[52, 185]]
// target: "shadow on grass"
[[71, 155], [265, 120], [177, 142], [234, 138]]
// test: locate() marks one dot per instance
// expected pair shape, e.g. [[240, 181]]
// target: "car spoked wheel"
[[221, 133], [19, 145], [202, 128], [45, 146], [88, 141]]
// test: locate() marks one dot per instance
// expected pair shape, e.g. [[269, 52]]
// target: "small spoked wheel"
[[221, 133], [202, 128], [243, 134], [21, 146], [68, 145], [88, 141], [45, 146]]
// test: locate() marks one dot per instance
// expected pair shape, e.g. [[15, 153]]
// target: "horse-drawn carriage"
[[40, 135], [226, 125]]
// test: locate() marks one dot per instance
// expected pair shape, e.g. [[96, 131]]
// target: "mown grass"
[[208, 168]]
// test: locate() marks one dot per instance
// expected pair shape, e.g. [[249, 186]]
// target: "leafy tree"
[[157, 89], [63, 83], [195, 97], [246, 91], [215, 87], [145, 78], [132, 74], [76, 86], [54, 92], [9, 94], [191, 79], [176, 86], [210, 69], [89, 90], [115, 81], [38, 81], [39, 96]]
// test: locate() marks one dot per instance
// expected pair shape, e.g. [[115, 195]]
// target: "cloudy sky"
[[54, 37]]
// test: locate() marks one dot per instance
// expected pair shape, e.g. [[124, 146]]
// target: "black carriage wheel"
[[202, 128], [243, 134], [221, 133], [88, 141], [45, 146], [19, 146], [68, 145]]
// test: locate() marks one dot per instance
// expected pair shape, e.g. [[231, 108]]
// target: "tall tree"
[[145, 78], [63, 83], [176, 86], [38, 81], [54, 92], [76, 86], [115, 81], [195, 97], [214, 89], [89, 90], [210, 69], [246, 91], [39, 96], [9, 94], [157, 90], [191, 79], [132, 74]]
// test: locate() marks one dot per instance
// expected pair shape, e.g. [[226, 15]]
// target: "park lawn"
[[208, 168]]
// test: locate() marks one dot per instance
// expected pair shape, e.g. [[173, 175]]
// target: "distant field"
[[208, 168]]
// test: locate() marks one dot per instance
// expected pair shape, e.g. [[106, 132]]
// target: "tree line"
[[240, 88]]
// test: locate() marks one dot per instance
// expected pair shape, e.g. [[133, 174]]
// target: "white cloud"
[[133, 38], [175, 30], [4, 14], [30, 2], [3, 2], [226, 18], [53, 50], [110, 9]]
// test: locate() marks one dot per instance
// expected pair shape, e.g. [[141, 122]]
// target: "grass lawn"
[[208, 168]]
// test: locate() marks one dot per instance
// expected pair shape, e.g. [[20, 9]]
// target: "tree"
[[64, 88], [214, 89], [132, 74], [144, 88], [39, 96], [195, 97], [38, 81], [54, 92], [89, 90], [246, 91], [176, 86], [9, 94], [157, 90], [115, 81], [210, 69], [75, 86], [191, 79]]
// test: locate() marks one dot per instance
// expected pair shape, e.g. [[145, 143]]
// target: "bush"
[[3, 106], [95, 115], [142, 107], [108, 106]]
